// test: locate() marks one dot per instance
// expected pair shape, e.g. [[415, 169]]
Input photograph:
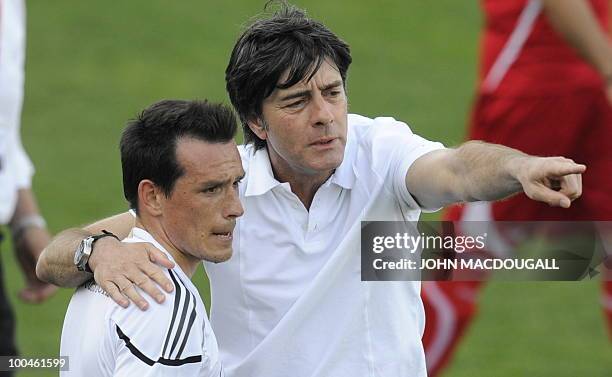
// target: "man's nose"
[[322, 111], [233, 205]]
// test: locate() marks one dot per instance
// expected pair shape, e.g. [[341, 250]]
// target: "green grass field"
[[93, 64]]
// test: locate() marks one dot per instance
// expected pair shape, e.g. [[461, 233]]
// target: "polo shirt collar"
[[260, 178], [344, 176]]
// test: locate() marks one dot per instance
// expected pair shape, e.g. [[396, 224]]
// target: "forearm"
[[26, 205], [26, 214], [576, 22], [485, 172], [56, 264], [472, 172]]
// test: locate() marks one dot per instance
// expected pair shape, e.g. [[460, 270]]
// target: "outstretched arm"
[[117, 266], [478, 171]]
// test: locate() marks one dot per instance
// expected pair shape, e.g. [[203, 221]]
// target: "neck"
[[303, 184], [186, 262]]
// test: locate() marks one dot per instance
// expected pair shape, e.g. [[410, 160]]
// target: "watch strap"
[[83, 264], [105, 233]]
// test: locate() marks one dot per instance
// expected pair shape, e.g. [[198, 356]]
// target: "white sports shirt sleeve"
[[391, 147]]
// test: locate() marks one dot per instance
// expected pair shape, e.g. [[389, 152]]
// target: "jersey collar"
[[260, 177], [145, 236]]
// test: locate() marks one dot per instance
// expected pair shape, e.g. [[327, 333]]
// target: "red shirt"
[[530, 58]]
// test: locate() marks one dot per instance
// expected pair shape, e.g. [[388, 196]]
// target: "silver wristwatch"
[[85, 248]]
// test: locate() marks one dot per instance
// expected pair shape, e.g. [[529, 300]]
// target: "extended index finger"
[[561, 169]]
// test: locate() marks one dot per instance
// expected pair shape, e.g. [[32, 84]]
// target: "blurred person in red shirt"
[[545, 88]]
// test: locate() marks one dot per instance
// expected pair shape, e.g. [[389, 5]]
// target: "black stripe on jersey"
[[133, 348], [188, 298], [177, 300], [179, 362], [191, 320], [136, 352]]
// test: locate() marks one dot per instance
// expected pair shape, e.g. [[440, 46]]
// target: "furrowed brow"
[[332, 85], [301, 93], [306, 93]]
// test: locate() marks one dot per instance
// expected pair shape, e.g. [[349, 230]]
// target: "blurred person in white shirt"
[[18, 207]]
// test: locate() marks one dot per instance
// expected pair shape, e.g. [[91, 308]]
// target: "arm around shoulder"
[[118, 267], [56, 263]]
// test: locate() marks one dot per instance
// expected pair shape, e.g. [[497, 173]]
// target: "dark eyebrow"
[[306, 93], [334, 84], [211, 184], [301, 93]]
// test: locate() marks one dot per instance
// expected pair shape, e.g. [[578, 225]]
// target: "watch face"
[[79, 252]]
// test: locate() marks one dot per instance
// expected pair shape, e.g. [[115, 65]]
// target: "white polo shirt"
[[15, 167], [172, 339], [290, 301]]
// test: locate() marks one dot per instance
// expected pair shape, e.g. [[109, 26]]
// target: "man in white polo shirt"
[[290, 301], [181, 171]]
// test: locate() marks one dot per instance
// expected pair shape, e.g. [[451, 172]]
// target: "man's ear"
[[258, 126], [149, 198]]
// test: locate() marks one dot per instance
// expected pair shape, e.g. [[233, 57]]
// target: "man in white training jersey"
[[181, 171]]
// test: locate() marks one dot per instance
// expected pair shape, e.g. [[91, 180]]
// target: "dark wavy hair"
[[288, 40]]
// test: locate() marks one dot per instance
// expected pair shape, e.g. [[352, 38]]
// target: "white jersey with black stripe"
[[172, 339]]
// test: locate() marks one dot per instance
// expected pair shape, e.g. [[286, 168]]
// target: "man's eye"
[[296, 104], [335, 94], [212, 190]]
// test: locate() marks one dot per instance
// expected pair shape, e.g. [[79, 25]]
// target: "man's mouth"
[[324, 141], [224, 236]]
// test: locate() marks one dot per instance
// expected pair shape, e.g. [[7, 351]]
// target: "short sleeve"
[[419, 147], [395, 148]]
